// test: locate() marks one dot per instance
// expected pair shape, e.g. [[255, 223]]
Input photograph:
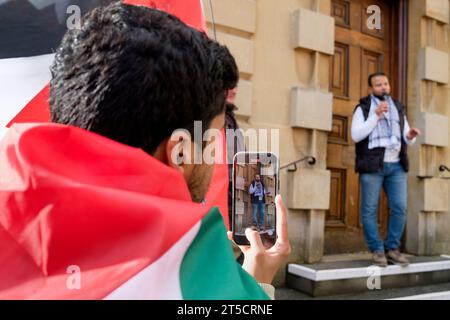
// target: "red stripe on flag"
[[37, 110], [189, 11]]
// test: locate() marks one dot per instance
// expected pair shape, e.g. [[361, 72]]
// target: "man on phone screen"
[[258, 191]]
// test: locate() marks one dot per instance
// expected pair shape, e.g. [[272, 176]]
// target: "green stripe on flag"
[[209, 269]]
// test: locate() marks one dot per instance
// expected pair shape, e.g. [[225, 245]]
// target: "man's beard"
[[382, 95], [199, 181]]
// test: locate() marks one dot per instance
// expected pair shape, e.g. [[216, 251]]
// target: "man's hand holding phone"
[[263, 263]]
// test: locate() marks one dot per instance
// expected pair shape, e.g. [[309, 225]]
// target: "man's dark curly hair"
[[135, 74]]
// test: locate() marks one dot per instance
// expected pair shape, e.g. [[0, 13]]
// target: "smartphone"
[[255, 185]]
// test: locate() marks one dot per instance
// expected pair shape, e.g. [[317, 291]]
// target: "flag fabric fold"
[[73, 199]]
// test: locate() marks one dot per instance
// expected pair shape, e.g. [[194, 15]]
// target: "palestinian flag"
[[31, 30], [85, 217]]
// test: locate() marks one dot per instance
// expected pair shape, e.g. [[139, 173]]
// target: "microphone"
[[384, 97]]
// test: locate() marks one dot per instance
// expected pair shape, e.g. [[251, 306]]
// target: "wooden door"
[[359, 51]]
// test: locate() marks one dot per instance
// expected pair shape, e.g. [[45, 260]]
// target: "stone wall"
[[428, 109]]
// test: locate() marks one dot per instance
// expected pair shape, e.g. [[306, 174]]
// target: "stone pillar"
[[311, 117], [428, 108]]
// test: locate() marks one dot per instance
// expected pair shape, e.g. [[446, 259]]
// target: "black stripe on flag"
[[36, 27]]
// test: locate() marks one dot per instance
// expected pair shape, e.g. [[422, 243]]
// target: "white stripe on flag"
[[161, 279], [21, 79]]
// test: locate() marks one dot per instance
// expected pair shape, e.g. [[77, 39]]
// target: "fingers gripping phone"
[[255, 185]]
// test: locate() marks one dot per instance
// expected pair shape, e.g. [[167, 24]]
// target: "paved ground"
[[290, 294]]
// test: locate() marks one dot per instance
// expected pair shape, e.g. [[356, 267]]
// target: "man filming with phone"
[[121, 86], [382, 135]]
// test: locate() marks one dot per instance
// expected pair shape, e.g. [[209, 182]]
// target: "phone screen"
[[255, 185]]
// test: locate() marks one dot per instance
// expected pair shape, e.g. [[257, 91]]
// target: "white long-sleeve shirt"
[[362, 128]]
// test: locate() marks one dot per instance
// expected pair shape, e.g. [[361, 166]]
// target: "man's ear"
[[178, 152]]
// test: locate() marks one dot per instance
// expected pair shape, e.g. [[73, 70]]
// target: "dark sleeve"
[[401, 106]]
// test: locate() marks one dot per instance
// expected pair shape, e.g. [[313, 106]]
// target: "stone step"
[[341, 276], [444, 295]]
